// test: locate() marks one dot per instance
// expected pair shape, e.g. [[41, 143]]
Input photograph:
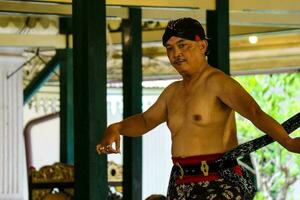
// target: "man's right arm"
[[140, 124], [135, 125]]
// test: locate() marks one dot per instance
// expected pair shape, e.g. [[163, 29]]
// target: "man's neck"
[[196, 74]]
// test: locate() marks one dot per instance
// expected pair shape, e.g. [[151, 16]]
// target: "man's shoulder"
[[215, 75], [216, 80], [171, 88], [173, 85]]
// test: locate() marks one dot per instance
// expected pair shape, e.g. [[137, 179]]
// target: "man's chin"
[[181, 72], [180, 68]]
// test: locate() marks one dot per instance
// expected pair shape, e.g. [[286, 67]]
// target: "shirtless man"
[[199, 111]]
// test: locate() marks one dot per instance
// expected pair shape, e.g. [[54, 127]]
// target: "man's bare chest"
[[195, 108]]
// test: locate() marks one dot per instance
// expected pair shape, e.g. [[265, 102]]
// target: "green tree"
[[276, 168]]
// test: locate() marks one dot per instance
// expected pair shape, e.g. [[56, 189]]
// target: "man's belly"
[[190, 145]]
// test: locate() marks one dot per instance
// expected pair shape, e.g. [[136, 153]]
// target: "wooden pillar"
[[66, 95], [217, 23], [66, 106], [132, 93], [89, 48]]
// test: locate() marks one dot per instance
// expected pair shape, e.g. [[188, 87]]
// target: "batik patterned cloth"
[[219, 189]]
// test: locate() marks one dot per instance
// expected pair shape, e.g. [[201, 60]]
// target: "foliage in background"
[[276, 168]]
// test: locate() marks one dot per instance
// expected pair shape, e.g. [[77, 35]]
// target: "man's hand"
[[111, 136]]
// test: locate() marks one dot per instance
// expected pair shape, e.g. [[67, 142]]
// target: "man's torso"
[[199, 122]]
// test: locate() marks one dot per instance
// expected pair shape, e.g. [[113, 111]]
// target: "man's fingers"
[[106, 149], [109, 149], [100, 149]]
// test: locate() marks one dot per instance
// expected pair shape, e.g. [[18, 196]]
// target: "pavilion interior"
[[264, 37]]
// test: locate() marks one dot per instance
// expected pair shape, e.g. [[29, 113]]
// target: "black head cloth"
[[187, 28]]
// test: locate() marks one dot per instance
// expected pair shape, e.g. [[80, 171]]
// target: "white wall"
[[45, 138], [13, 179]]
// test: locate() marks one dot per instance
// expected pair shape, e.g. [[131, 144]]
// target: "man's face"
[[184, 55]]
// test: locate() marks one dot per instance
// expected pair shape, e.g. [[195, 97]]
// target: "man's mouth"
[[178, 62]]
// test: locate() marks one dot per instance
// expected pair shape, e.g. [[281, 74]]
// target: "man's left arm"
[[235, 96]]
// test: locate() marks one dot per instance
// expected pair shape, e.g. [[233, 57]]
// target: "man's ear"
[[203, 44]]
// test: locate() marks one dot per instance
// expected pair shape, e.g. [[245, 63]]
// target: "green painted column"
[[217, 23], [66, 95], [132, 94], [66, 106], [89, 48]]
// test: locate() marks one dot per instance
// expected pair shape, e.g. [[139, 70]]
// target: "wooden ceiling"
[[275, 23]]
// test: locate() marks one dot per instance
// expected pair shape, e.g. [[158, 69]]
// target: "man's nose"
[[177, 52]]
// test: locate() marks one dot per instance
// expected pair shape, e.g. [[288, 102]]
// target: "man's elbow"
[[147, 125]]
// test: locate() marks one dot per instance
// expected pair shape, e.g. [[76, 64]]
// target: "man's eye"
[[181, 45]]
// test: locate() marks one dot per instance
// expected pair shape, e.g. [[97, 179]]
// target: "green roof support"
[[217, 23], [44, 75], [89, 50], [66, 106], [66, 88], [132, 97]]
